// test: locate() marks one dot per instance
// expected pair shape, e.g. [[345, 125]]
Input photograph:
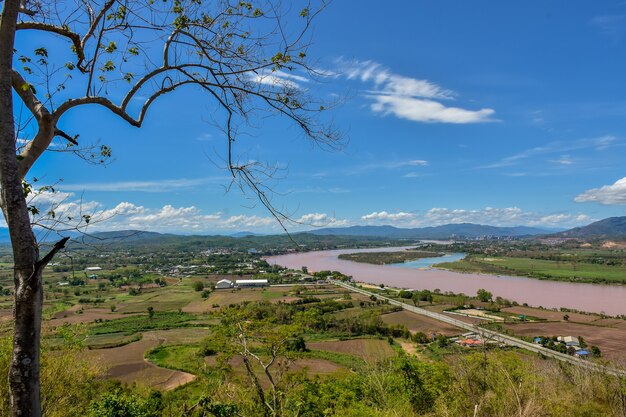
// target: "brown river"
[[597, 298]]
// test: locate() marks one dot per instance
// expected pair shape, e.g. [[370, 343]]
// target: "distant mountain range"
[[446, 231], [610, 228], [246, 234]]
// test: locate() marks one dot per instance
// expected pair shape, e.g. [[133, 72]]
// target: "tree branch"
[[24, 90], [59, 30], [71, 139]]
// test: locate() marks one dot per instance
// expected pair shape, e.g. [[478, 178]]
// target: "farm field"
[[370, 350], [226, 297], [416, 323], [312, 366], [540, 268], [127, 364], [610, 340], [552, 315]]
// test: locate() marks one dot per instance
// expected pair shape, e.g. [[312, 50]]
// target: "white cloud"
[[386, 216], [507, 216], [177, 219], [614, 194], [428, 111], [409, 98], [190, 219], [320, 220]]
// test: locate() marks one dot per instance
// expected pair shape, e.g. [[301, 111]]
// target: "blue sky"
[[488, 112]]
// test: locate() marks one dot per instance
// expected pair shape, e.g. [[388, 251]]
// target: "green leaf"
[[111, 47], [41, 52]]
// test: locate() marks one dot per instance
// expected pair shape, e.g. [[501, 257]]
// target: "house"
[[248, 283], [223, 284], [470, 342], [93, 268], [569, 340], [582, 353]]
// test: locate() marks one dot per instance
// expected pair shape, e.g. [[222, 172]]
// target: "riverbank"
[[602, 299]]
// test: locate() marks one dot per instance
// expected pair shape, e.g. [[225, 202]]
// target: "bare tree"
[[242, 55], [265, 364]]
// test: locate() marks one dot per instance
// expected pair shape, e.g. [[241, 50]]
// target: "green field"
[[540, 268], [166, 299], [186, 358]]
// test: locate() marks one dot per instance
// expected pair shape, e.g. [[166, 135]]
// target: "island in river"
[[386, 258]]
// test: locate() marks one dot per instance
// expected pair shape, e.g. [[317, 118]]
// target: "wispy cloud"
[[409, 98], [321, 190], [599, 144], [610, 25], [205, 137], [413, 175], [159, 186], [563, 160], [279, 79], [613, 194], [386, 165]]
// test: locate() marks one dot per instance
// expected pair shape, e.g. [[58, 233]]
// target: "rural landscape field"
[[147, 329]]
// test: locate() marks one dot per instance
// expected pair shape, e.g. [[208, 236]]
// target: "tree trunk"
[[24, 370]]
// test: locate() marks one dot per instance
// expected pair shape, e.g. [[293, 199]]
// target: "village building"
[[250, 283], [223, 284], [582, 353]]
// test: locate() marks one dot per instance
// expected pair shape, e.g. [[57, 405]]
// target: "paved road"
[[490, 334]]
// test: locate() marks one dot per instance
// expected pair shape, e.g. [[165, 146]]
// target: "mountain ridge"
[[446, 231], [611, 227]]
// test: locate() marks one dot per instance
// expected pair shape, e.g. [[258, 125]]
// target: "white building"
[[246, 283], [93, 268], [223, 284]]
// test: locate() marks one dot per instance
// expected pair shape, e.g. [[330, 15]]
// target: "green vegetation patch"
[[186, 358], [110, 340], [134, 324], [540, 268], [165, 299], [343, 359], [383, 258]]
